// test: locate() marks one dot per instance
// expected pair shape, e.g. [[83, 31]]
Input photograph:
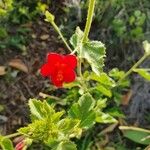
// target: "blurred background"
[[25, 39]]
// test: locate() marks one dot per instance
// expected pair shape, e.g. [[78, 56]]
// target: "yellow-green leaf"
[[135, 134], [144, 73]]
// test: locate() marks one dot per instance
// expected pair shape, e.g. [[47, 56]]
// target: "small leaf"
[[115, 112], [49, 17], [35, 108], [71, 84], [76, 38], [70, 127], [6, 144], [88, 119], [101, 103], [135, 134], [94, 53], [105, 91], [116, 73], [103, 78], [104, 118], [144, 73], [146, 46], [18, 64], [40, 109], [86, 102]]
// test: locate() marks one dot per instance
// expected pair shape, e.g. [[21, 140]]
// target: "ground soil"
[[16, 91]]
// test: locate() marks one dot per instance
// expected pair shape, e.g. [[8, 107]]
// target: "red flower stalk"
[[59, 68]]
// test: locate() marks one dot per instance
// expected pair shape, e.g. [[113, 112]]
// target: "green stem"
[[82, 80], [89, 20], [80, 67], [12, 135], [134, 67], [62, 37]]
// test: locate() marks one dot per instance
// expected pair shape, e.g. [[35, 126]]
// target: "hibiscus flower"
[[59, 68]]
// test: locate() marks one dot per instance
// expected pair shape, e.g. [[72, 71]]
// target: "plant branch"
[[49, 96], [12, 135], [134, 67], [89, 20], [62, 37]]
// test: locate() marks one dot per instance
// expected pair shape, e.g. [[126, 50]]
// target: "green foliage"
[[90, 99], [92, 51], [3, 33], [14, 13], [48, 127], [17, 41], [49, 17], [137, 135], [76, 38], [126, 21], [143, 72], [146, 46], [104, 118], [103, 79], [83, 110], [26, 10], [66, 145], [6, 143], [5, 7]]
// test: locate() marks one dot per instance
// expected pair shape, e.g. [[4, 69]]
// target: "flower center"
[[59, 76]]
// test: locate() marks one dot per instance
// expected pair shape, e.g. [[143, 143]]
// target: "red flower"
[[20, 146], [59, 68]]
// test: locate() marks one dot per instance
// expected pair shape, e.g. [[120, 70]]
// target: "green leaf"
[[101, 103], [70, 127], [83, 110], [86, 102], [94, 53], [49, 17], [104, 118], [104, 79], [3, 33], [105, 91], [115, 112], [143, 72], [146, 46], [66, 145], [40, 109], [76, 38], [137, 135], [71, 85], [6, 143], [116, 73], [88, 119]]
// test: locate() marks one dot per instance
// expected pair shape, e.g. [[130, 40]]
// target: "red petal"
[[46, 70], [20, 146], [54, 58], [56, 82], [71, 60], [69, 75]]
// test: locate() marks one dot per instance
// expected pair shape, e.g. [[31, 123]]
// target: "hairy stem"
[[89, 20], [62, 37], [133, 67]]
